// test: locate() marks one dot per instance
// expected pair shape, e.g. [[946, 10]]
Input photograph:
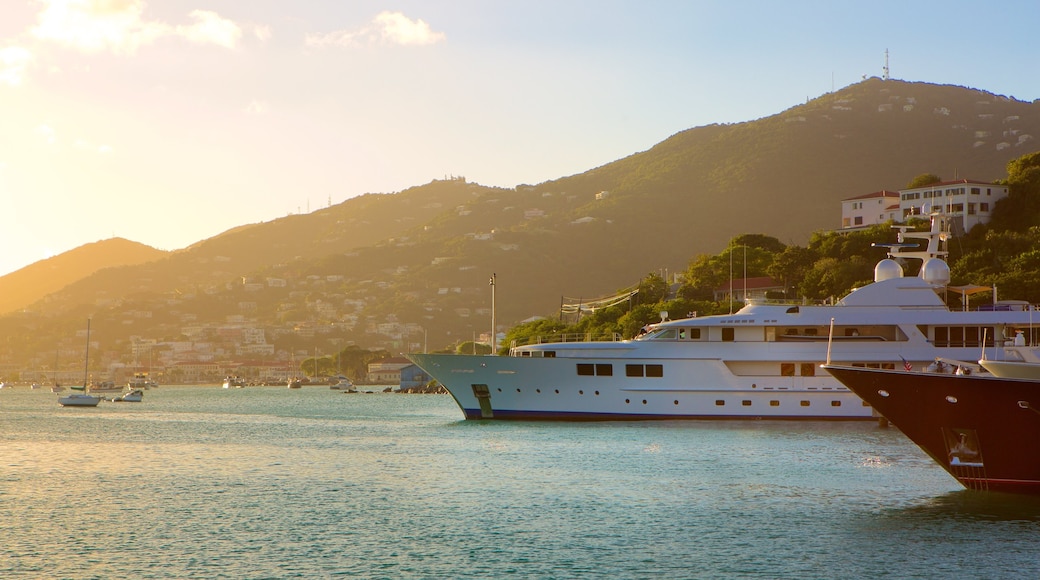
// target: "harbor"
[[271, 482]]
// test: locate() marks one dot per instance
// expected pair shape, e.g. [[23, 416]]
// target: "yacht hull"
[[503, 387], [980, 429]]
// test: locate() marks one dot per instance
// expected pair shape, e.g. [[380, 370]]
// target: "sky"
[[170, 121]]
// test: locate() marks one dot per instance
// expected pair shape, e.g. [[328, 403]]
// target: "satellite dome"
[[935, 272], [886, 270]]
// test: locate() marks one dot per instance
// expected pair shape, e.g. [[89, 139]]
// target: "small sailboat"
[[82, 399]]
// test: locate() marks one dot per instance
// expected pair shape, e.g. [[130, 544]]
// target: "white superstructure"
[[761, 362]]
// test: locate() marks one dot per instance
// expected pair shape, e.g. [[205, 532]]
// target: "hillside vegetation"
[[419, 260]]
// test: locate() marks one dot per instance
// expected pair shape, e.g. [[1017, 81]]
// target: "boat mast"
[[86, 358]]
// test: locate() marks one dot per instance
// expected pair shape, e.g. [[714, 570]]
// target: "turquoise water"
[[312, 483]]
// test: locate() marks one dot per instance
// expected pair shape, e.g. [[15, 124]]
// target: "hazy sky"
[[167, 122]]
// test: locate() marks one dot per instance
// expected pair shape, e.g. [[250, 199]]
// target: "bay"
[[204, 482]]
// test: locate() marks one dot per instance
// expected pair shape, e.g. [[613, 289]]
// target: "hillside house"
[[870, 209], [387, 370], [970, 201]]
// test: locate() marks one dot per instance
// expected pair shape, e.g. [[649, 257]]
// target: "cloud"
[[209, 28], [256, 108], [388, 28], [46, 133], [13, 62], [85, 145], [120, 26]]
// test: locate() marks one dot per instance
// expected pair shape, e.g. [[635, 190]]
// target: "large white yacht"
[[760, 362]]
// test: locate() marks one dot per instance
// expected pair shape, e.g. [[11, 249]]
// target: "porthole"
[[805, 403], [627, 401], [720, 403], [500, 389], [835, 403], [518, 390], [746, 403], [675, 402], [644, 401], [538, 390], [883, 393], [557, 391], [581, 392], [951, 399], [597, 393], [774, 403]]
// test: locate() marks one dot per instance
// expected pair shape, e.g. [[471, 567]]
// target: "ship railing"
[[568, 337]]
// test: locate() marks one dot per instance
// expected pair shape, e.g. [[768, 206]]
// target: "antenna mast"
[[884, 74]]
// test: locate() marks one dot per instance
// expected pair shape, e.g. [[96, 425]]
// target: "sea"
[[268, 482]]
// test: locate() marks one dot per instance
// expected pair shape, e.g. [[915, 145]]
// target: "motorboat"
[[234, 382], [131, 396], [104, 387], [1017, 360], [761, 362], [294, 383], [978, 427], [141, 381], [342, 384]]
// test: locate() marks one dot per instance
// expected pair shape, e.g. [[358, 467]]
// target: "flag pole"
[[494, 336]]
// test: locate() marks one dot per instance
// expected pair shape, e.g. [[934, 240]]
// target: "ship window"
[[746, 403], [682, 334], [668, 334], [676, 402], [695, 334], [811, 332], [549, 354], [727, 334], [654, 371], [942, 336], [586, 370], [835, 403], [604, 370], [644, 401], [720, 403], [805, 403], [581, 392], [808, 370], [774, 403], [633, 370], [787, 369]]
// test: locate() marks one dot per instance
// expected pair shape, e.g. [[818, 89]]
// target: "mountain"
[[27, 285], [381, 269]]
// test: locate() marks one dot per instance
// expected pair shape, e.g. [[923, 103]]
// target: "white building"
[[971, 201], [968, 202], [870, 209]]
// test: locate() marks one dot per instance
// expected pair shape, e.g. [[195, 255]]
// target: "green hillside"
[[381, 270]]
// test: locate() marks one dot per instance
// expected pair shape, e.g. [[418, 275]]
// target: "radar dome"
[[886, 270], [935, 272]]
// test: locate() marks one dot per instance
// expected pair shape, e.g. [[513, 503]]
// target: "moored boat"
[[132, 396], [79, 400], [141, 381], [82, 399], [234, 382], [760, 362], [981, 429], [342, 384]]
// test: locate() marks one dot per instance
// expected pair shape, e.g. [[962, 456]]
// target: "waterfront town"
[[284, 327]]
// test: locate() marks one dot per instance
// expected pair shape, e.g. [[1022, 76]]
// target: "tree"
[[653, 288], [923, 180]]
